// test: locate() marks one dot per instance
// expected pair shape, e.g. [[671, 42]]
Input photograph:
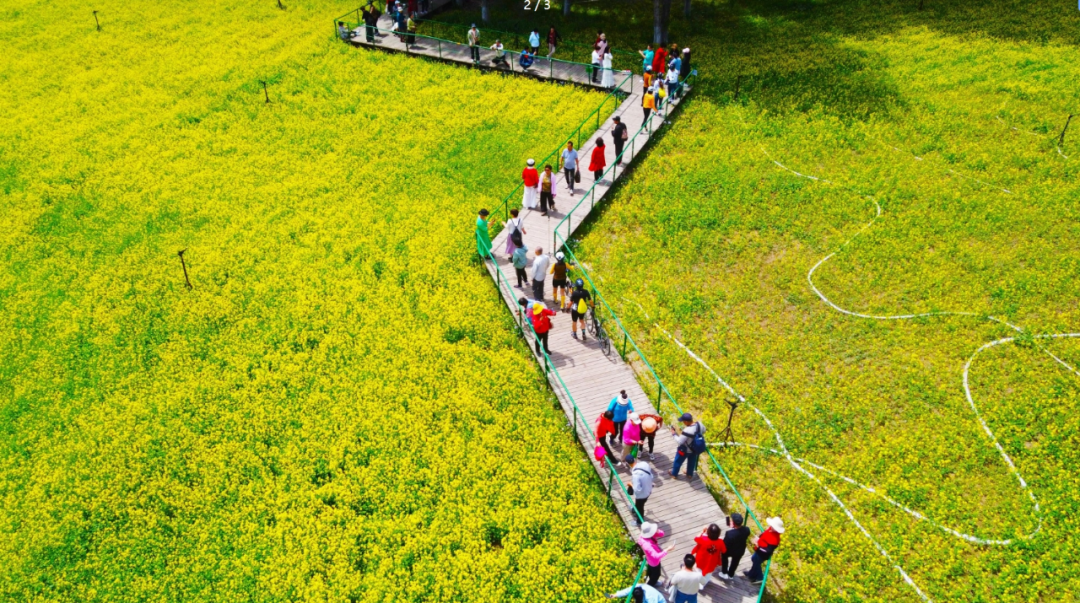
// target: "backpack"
[[582, 307], [515, 237], [697, 445]]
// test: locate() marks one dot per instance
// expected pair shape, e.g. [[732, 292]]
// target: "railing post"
[[610, 477], [624, 335], [440, 49]]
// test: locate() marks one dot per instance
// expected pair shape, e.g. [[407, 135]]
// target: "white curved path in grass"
[[804, 466]]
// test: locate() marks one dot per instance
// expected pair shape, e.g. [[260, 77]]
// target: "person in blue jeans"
[[621, 407], [685, 441]]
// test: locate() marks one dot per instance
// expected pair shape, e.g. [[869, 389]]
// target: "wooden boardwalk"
[[681, 508]]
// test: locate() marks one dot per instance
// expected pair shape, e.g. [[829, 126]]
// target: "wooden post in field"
[[1061, 138], [265, 93], [96, 22], [184, 264], [279, 5]]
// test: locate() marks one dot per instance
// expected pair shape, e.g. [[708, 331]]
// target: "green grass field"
[[933, 115], [339, 409]]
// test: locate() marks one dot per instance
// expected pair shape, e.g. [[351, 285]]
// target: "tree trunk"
[[661, 11], [686, 9], [566, 8], [485, 10]]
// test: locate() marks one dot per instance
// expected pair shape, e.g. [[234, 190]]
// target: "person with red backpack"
[[691, 444], [541, 323]]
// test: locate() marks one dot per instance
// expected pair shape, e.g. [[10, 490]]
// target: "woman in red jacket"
[[708, 549], [767, 544], [541, 323], [605, 427], [598, 162]]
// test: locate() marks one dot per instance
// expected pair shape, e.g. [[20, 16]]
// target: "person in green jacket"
[[483, 237]]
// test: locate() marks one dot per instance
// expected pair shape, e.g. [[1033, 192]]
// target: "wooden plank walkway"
[[681, 508]]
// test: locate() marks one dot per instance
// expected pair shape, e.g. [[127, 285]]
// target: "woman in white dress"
[[608, 79]]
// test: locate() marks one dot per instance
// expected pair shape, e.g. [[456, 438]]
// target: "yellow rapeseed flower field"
[[338, 410]]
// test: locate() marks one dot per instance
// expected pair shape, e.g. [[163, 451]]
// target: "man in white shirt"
[[539, 272], [686, 582]]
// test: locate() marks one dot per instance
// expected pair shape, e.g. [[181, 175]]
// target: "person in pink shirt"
[[632, 434], [650, 533]]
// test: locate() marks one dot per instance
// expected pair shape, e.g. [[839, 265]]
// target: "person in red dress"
[[708, 549], [659, 62]]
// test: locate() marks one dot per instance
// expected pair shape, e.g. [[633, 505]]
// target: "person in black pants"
[[735, 542], [618, 134]]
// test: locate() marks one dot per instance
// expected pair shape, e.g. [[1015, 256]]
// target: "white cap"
[[530, 162]]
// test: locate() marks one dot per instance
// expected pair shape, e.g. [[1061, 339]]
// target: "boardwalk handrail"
[[662, 389], [503, 35]]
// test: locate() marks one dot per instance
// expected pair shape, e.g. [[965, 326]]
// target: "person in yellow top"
[[648, 103]]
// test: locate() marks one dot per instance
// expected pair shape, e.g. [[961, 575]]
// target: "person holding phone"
[[734, 544]]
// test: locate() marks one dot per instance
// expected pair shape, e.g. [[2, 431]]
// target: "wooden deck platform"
[[681, 508]]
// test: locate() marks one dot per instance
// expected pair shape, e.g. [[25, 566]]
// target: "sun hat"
[[538, 308], [530, 162], [649, 424], [648, 530], [634, 418], [559, 256], [686, 418], [776, 524]]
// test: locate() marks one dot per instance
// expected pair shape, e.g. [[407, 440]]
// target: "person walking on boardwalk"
[[650, 424], [483, 237], [534, 41], [632, 434], [622, 407], [735, 544], [559, 283], [639, 593], [767, 544], [598, 162], [687, 582], [608, 79], [648, 102], [618, 137], [401, 22], [548, 190], [641, 484], [515, 231], [540, 265], [691, 444], [529, 181], [553, 39], [604, 430], [520, 260], [654, 554], [474, 38], [708, 550], [500, 53], [597, 65], [580, 302], [569, 160], [371, 21], [410, 26], [673, 82], [541, 324]]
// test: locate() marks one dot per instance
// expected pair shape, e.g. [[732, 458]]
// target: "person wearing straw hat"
[[639, 593], [541, 323], [641, 485], [687, 582], [735, 542], [767, 544], [650, 534], [530, 178], [650, 424], [483, 237]]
